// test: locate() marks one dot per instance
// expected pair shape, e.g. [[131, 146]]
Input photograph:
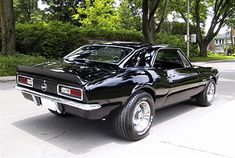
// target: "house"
[[222, 42]]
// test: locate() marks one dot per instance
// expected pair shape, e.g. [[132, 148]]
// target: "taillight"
[[24, 80], [69, 91]]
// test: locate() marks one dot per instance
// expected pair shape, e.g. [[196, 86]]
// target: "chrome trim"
[[35, 100], [17, 80], [78, 105], [210, 92], [142, 118], [62, 85]]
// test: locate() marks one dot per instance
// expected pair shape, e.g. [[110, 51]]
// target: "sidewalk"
[[7, 78], [211, 134]]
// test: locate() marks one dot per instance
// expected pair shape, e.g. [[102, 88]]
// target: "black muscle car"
[[123, 81]]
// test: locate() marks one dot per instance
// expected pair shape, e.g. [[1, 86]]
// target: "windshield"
[[101, 53]]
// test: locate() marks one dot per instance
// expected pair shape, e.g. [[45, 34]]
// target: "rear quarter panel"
[[116, 89]]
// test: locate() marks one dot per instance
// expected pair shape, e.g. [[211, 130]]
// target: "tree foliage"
[[62, 10], [99, 14], [130, 14], [27, 11]]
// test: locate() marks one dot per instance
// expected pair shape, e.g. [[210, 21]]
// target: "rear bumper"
[[57, 100], [89, 111]]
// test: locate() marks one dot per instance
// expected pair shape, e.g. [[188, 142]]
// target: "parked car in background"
[[123, 81]]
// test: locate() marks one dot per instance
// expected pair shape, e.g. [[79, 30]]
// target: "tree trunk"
[[145, 24], [203, 49], [232, 42], [148, 20], [148, 36], [7, 26]]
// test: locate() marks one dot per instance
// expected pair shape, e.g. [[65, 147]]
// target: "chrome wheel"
[[142, 117], [210, 92]]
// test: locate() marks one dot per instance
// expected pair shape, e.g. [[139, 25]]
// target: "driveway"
[[182, 130]]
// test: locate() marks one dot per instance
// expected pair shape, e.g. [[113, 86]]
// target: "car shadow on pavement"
[[78, 136]]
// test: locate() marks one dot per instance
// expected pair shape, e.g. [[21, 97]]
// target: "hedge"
[[8, 63], [112, 35], [56, 39], [48, 39]]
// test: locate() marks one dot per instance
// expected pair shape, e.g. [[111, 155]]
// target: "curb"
[[213, 61], [7, 78]]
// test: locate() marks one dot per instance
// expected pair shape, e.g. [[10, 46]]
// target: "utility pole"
[[188, 10]]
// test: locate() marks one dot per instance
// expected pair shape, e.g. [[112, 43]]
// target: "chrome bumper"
[[78, 105]]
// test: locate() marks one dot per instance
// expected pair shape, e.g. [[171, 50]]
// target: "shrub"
[[112, 35], [8, 63], [177, 28], [52, 39], [55, 39]]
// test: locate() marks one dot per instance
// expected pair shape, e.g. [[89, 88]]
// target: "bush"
[[176, 41], [177, 28], [55, 39], [112, 35], [52, 39], [8, 63]]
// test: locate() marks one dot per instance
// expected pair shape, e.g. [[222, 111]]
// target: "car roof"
[[134, 45]]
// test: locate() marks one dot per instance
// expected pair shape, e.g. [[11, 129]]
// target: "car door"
[[182, 77]]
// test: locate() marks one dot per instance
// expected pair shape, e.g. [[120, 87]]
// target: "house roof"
[[223, 36]]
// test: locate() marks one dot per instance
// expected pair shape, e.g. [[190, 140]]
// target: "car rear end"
[[56, 91]]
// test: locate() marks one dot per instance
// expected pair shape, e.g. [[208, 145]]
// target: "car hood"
[[85, 70]]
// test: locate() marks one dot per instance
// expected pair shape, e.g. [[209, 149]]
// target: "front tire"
[[206, 97], [133, 121]]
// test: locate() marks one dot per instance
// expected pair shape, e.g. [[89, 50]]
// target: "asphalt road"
[[182, 130]]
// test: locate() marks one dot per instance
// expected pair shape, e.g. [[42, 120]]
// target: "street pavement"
[[182, 130]]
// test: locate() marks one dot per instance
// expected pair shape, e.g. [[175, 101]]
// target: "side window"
[[185, 61], [141, 58], [168, 59]]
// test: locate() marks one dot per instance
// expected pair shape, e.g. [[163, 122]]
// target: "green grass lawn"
[[213, 57]]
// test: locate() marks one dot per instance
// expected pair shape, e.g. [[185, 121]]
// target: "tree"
[[149, 25], [27, 10], [99, 14], [129, 12], [220, 10], [62, 10], [7, 26], [231, 24]]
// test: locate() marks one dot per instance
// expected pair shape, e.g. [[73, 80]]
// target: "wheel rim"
[[210, 92], [142, 117]]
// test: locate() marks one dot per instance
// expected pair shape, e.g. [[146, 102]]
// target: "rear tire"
[[133, 121], [206, 97]]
